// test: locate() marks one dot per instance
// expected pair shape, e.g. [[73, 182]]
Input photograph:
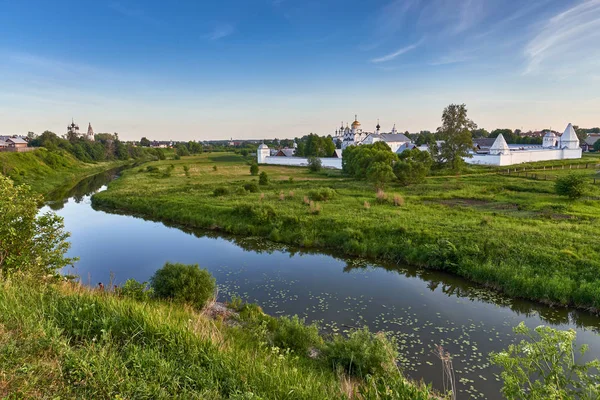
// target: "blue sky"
[[191, 69]]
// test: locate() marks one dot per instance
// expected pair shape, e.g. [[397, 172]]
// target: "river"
[[421, 308]]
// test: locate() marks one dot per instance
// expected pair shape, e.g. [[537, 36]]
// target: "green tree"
[[263, 179], [254, 169], [182, 150], [480, 133], [572, 185], [455, 133], [379, 173], [144, 142], [314, 164], [543, 366], [412, 166], [597, 145], [29, 243]]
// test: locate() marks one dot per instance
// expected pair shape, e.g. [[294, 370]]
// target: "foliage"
[[572, 185], [183, 283], [543, 366], [321, 194], [412, 166], [220, 191], [358, 159], [379, 173], [251, 187], [315, 145], [254, 169], [362, 353], [29, 243], [455, 133], [144, 142], [314, 164], [292, 333], [181, 150], [136, 290], [597, 145], [263, 179]]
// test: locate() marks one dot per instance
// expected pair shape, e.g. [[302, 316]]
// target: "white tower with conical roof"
[[500, 146], [569, 139], [262, 153]]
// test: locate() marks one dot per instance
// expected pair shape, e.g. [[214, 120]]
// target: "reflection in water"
[[421, 308]]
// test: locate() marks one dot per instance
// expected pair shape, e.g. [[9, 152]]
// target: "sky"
[[208, 69]]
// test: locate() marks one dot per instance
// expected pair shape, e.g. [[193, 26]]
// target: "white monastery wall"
[[524, 156], [327, 162]]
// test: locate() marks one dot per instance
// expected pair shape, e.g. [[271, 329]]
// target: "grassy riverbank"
[[70, 342], [511, 233], [46, 170]]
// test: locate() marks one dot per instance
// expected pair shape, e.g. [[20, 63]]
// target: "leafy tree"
[[543, 366], [597, 145], [412, 166], [379, 173], [254, 169], [314, 164], [144, 142], [29, 243], [479, 133], [424, 137], [315, 145], [182, 150], [194, 147], [357, 159], [263, 179], [572, 185], [456, 135]]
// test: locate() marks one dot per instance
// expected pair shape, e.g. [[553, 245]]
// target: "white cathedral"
[[355, 136], [73, 129]]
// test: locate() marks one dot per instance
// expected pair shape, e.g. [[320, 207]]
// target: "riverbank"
[[45, 170], [64, 340], [511, 233]]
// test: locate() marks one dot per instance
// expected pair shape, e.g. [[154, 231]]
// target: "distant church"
[[73, 130], [355, 136]]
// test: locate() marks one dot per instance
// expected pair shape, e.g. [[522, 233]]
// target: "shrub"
[[367, 205], [281, 196], [544, 366], [183, 283], [214, 168], [381, 197], [186, 170], [176, 157], [572, 185], [136, 290], [263, 179], [321, 194], [413, 166], [254, 169], [151, 168], [220, 191], [362, 353], [240, 191], [292, 333], [398, 200], [315, 208], [251, 187], [314, 164]]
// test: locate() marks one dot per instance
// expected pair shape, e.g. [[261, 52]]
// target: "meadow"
[[67, 341], [44, 170], [511, 233]]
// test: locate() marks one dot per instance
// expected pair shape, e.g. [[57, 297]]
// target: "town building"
[[73, 131]]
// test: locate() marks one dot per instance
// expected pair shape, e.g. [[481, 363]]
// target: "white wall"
[[524, 156], [327, 162]]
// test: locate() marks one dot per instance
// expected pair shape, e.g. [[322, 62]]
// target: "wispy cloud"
[[397, 53], [221, 31], [565, 39], [135, 13]]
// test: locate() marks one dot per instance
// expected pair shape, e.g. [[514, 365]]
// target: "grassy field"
[[44, 170], [66, 341], [510, 233]]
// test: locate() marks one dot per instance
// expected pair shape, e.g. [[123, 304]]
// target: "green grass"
[[45, 170], [65, 341], [511, 233]]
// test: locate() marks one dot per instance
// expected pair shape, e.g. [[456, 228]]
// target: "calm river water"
[[421, 308]]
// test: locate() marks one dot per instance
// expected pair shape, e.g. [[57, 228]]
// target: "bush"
[[254, 169], [413, 166], [292, 333], [251, 187], [263, 179], [220, 191], [136, 290], [183, 283], [321, 194], [573, 186], [362, 353], [151, 168], [314, 164]]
